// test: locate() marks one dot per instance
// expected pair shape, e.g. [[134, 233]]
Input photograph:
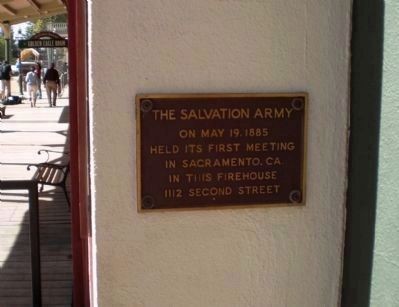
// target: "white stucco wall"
[[243, 257]]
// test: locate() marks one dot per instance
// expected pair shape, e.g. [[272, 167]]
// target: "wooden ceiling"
[[17, 11]]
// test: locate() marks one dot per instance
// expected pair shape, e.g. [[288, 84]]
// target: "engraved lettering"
[[170, 164], [224, 162], [201, 177], [174, 178], [212, 191], [258, 189], [168, 114], [233, 147], [193, 148], [273, 113], [272, 161], [173, 193], [186, 134], [221, 113], [270, 146], [246, 176], [164, 149], [212, 133]]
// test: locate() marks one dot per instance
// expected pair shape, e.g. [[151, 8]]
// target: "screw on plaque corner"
[[147, 202], [297, 103], [295, 196], [146, 105]]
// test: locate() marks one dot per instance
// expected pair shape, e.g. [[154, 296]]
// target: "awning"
[[17, 11]]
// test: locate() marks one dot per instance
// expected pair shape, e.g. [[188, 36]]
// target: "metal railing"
[[31, 186], [58, 27], [63, 80]]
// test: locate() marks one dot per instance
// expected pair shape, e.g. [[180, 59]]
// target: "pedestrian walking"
[[5, 78], [38, 72], [52, 82], [32, 82]]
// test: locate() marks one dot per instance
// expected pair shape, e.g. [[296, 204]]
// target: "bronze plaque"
[[220, 150]]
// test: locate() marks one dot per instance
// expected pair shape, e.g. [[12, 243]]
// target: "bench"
[[53, 174]]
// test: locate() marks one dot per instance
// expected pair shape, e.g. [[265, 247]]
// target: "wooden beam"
[[29, 14], [35, 5], [8, 9]]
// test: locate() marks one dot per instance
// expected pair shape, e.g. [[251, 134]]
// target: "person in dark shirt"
[[6, 79], [38, 72], [51, 81]]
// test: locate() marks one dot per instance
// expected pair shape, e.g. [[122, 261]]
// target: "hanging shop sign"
[[44, 39]]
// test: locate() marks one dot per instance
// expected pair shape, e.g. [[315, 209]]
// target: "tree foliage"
[[40, 24]]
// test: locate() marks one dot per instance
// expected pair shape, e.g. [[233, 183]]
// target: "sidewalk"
[[23, 132]]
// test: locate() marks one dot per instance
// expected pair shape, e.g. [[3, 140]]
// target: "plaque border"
[[219, 95]]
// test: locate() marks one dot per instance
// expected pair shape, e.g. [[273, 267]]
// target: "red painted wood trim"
[[79, 143]]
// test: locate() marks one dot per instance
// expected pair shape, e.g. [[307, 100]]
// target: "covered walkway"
[[23, 132]]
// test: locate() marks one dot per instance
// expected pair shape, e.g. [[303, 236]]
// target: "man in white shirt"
[[32, 82]]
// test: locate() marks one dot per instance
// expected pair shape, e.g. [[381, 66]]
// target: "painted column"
[[218, 258]]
